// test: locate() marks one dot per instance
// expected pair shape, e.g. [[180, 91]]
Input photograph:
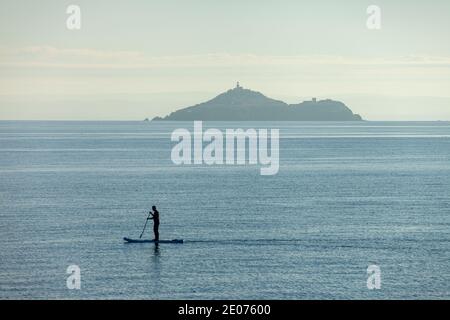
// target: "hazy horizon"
[[142, 59]]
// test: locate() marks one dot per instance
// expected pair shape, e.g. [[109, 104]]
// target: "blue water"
[[347, 195]]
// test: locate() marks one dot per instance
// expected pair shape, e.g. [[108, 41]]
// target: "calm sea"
[[347, 195]]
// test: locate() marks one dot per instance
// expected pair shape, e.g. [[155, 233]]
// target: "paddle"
[[145, 225]]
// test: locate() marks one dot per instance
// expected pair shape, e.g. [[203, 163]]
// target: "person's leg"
[[156, 232]]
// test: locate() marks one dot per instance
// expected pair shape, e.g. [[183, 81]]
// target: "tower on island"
[[238, 86]]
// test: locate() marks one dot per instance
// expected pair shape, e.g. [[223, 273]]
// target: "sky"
[[143, 58]]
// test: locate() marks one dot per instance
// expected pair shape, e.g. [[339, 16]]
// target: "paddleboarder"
[[155, 218]]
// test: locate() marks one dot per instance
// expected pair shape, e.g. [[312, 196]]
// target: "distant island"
[[241, 104]]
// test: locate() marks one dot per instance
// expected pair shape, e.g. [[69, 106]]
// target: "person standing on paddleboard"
[[155, 218]]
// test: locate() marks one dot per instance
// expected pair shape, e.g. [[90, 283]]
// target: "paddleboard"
[[152, 241]]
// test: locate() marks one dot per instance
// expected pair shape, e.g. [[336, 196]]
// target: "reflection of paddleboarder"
[[155, 218]]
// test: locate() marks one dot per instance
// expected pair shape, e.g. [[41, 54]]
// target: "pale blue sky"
[[136, 59]]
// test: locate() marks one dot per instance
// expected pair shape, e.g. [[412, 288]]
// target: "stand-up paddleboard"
[[152, 241]]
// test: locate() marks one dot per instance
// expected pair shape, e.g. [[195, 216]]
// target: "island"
[[239, 104]]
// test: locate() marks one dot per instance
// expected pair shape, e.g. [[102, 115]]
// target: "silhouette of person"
[[155, 218]]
